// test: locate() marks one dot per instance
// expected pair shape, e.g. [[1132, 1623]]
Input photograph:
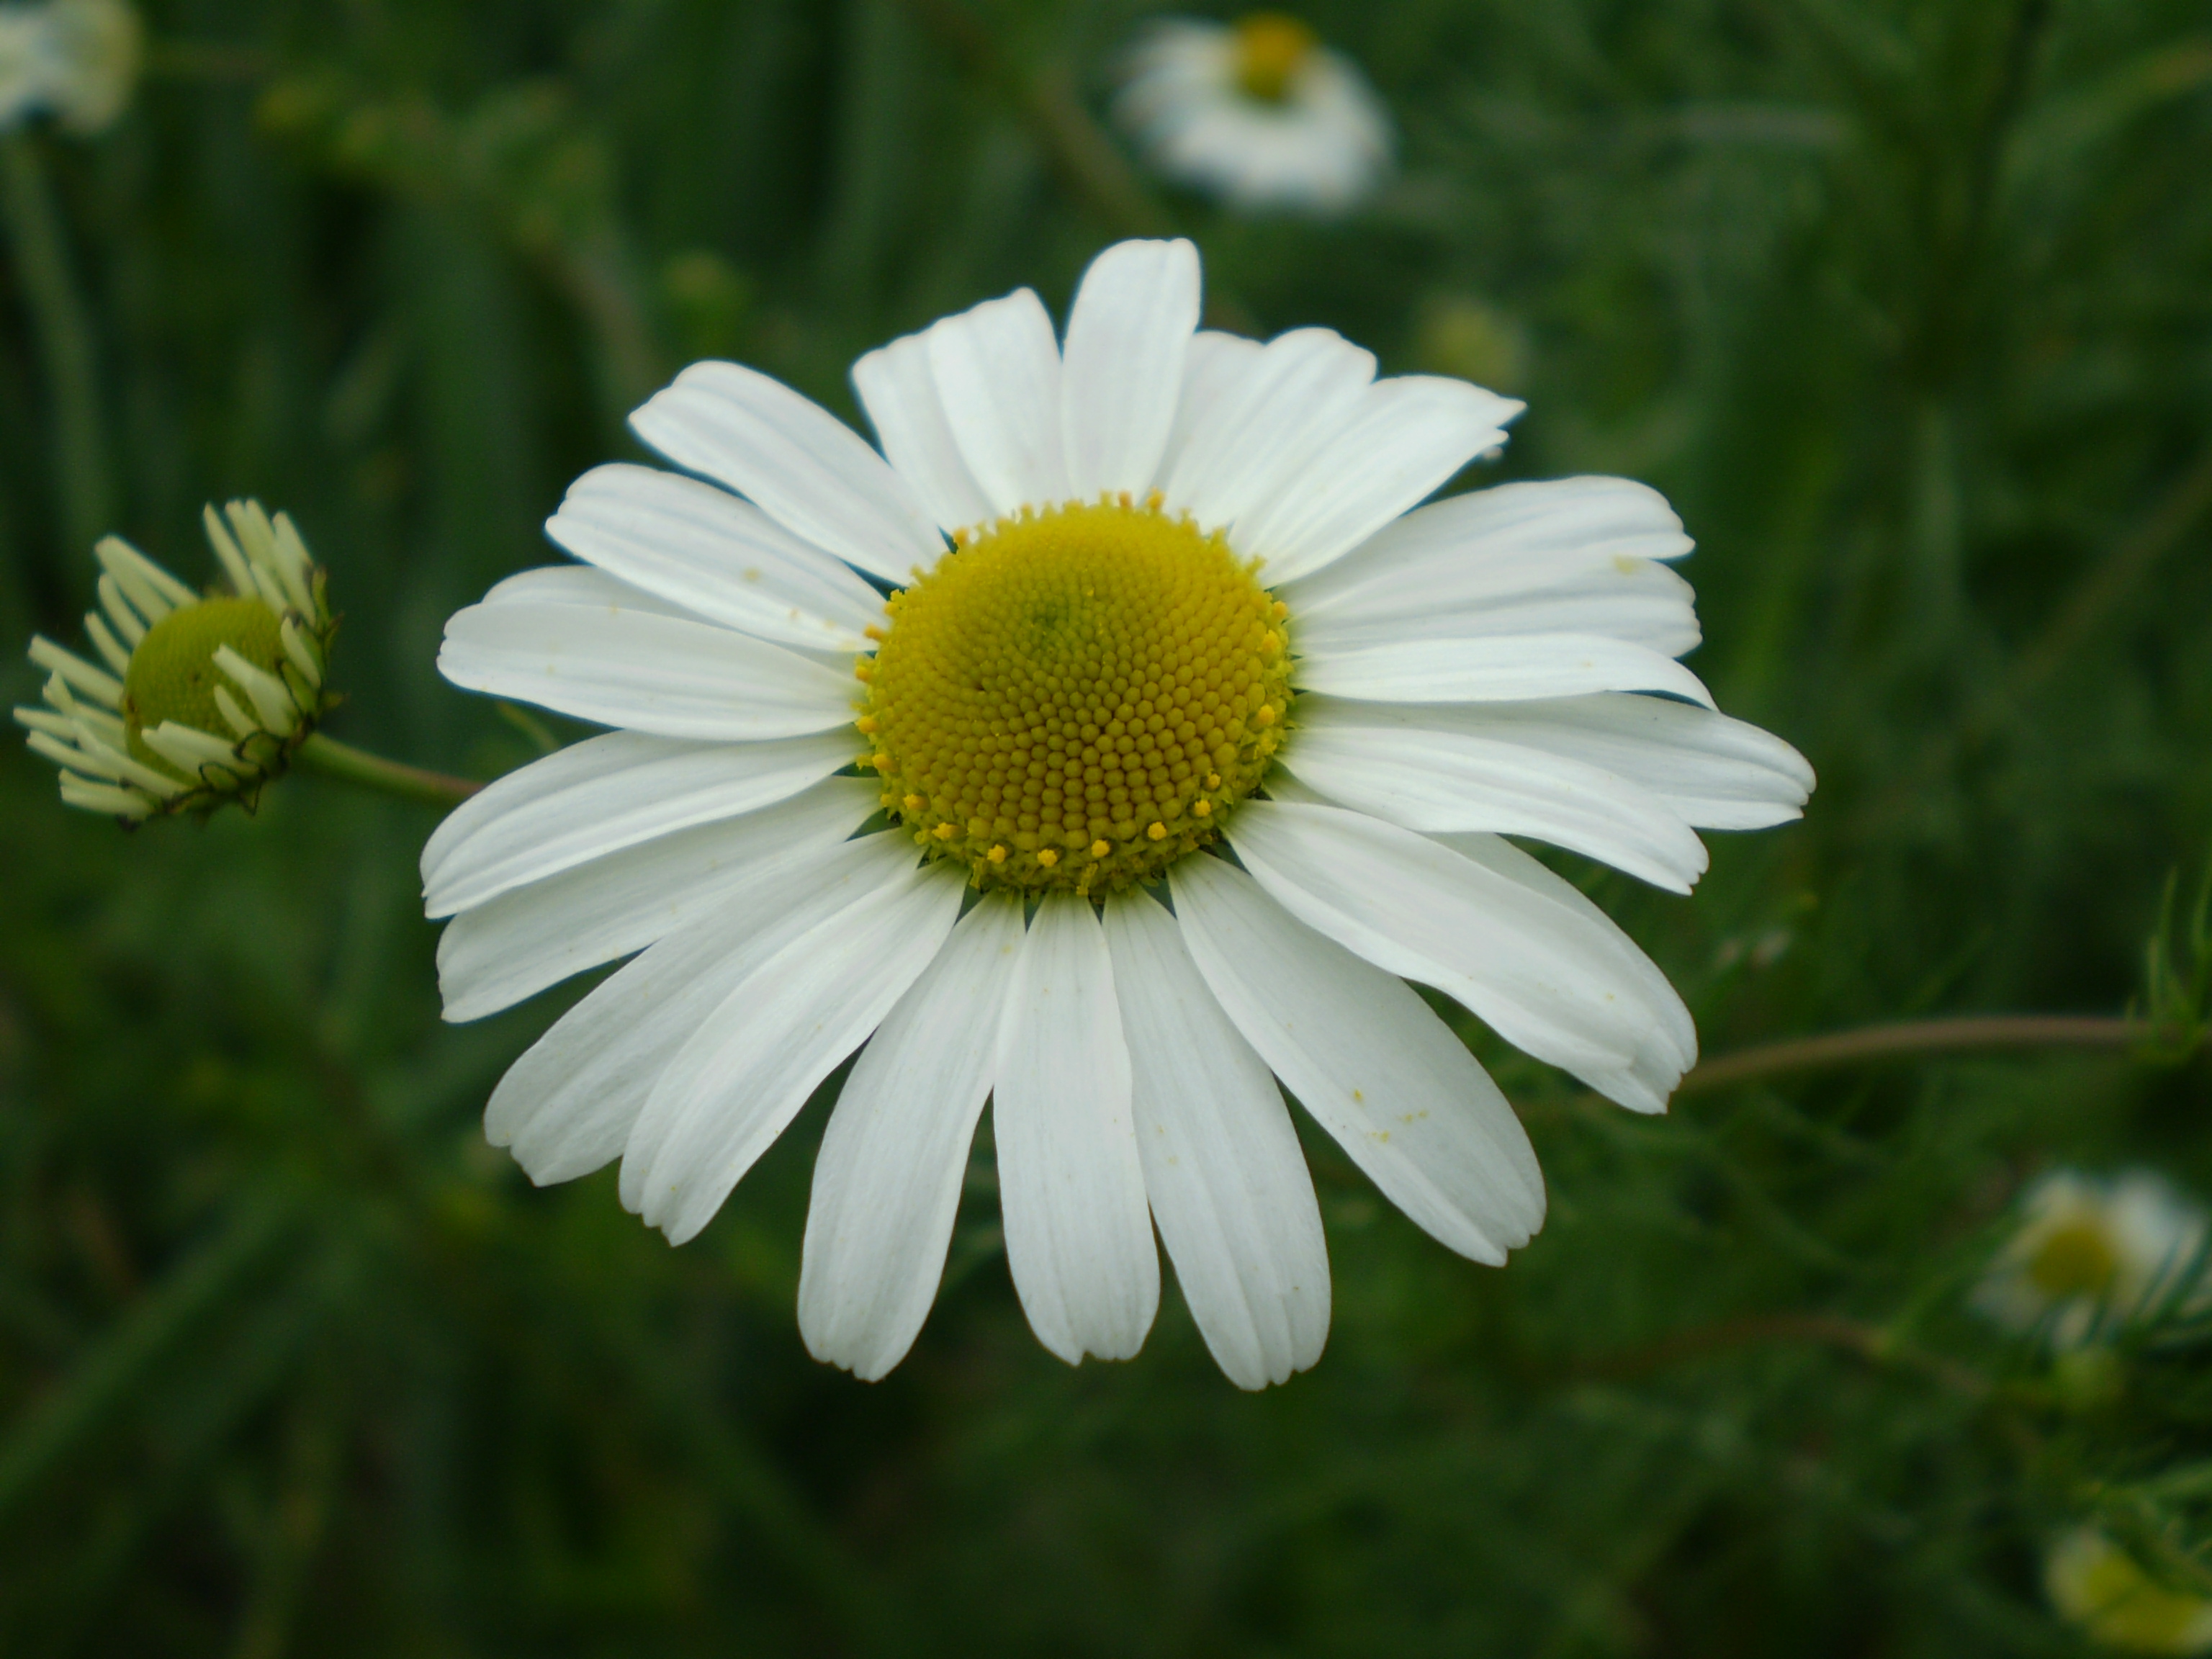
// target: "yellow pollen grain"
[[1092, 677]]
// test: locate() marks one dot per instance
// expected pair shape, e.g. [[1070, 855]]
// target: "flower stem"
[[1919, 1036], [64, 335], [334, 759]]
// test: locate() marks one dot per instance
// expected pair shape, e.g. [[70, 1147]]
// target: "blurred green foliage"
[[1907, 303]]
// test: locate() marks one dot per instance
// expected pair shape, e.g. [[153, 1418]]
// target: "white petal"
[[1443, 780], [1121, 376], [1658, 1065], [805, 468], [1709, 770], [1409, 436], [1070, 1186], [898, 389], [1508, 539], [515, 945], [733, 1089], [625, 664], [567, 1107], [719, 557], [1366, 1056], [1554, 977], [1633, 600], [603, 794], [1506, 668], [1213, 368], [887, 1180], [581, 585], [997, 373], [1227, 1181], [1268, 411]]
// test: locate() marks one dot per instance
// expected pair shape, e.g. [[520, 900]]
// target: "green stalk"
[[66, 337], [334, 759]]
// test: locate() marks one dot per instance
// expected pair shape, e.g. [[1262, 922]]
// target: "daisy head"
[[1111, 743], [2089, 1250], [203, 697], [1257, 112], [2098, 1586], [76, 59]]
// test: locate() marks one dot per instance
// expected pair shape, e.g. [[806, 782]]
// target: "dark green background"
[[1907, 305]]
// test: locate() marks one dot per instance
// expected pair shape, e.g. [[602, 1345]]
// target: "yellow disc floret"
[[1270, 52], [1076, 698], [173, 676]]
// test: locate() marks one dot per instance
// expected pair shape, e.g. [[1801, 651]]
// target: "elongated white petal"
[[997, 367], [1473, 549], [1659, 1064], [1409, 436], [887, 1180], [606, 793], [1633, 600], [76, 672], [516, 945], [111, 650], [1121, 376], [567, 1107], [1441, 779], [1213, 368], [1227, 1182], [623, 663], [801, 465], [718, 558], [1711, 771], [1498, 669], [1366, 1056], [1070, 1186], [733, 1088], [1555, 978], [898, 388], [1264, 413]]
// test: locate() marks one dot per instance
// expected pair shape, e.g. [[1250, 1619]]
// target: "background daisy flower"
[[1160, 595], [1257, 112], [2091, 1249]]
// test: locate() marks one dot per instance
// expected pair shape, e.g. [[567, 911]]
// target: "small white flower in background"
[[203, 698], [77, 60], [2091, 1249], [2097, 1585], [1163, 597], [1257, 112]]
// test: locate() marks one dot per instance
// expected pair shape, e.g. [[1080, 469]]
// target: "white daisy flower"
[[1141, 575], [1257, 112], [75, 59], [2091, 1249], [204, 697], [2098, 1586]]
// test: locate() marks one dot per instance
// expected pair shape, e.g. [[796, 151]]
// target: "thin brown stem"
[[1908, 1038], [1866, 1342]]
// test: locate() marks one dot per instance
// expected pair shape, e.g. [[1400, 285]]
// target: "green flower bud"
[[203, 698]]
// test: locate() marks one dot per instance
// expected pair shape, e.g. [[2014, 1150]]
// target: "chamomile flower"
[[1257, 112], [202, 698], [2090, 1250], [2099, 1586], [1181, 741], [75, 59]]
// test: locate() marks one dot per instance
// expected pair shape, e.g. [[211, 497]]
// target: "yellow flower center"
[[173, 675], [1271, 50], [1077, 697], [2075, 1259]]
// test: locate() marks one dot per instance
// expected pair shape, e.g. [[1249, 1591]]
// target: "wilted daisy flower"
[[2091, 1249], [75, 59], [204, 698], [1160, 598], [1256, 112], [2097, 1585]]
